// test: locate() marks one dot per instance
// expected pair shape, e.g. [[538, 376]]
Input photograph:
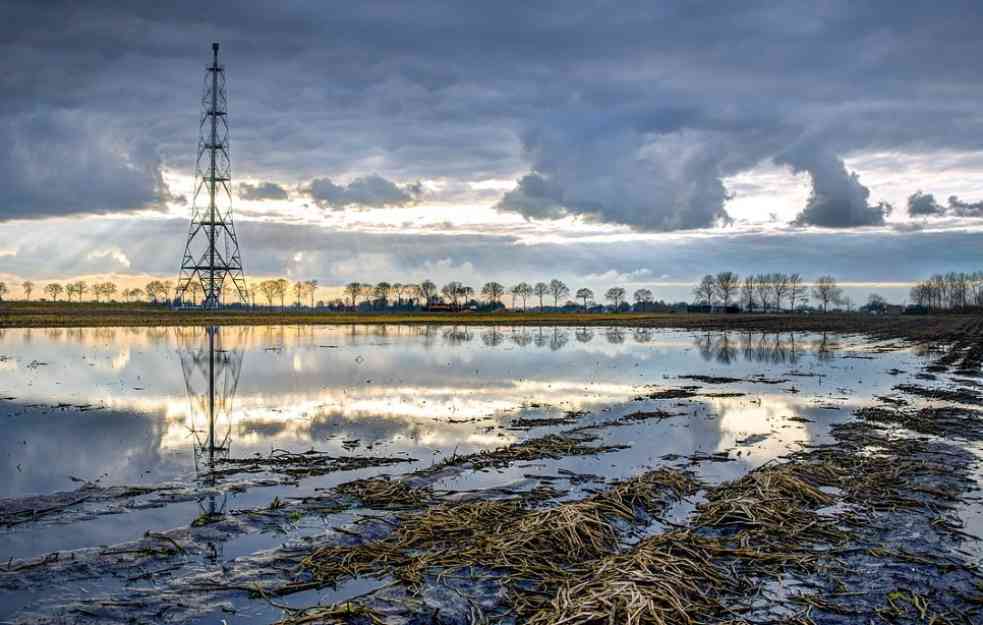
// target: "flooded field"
[[416, 474]]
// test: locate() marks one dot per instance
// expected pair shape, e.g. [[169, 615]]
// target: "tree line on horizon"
[[767, 291], [952, 290], [726, 290]]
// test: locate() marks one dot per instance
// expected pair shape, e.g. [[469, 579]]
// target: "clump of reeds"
[[937, 421], [552, 446], [302, 464], [381, 492], [665, 580], [775, 504], [509, 536]]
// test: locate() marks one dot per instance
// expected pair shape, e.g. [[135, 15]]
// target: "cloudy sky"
[[640, 144]]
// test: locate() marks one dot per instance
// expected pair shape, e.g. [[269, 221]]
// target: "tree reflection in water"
[[615, 335], [584, 335], [762, 347]]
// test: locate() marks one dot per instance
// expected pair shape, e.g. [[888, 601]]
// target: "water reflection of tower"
[[211, 376]]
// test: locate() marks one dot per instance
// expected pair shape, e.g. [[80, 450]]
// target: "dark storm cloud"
[[669, 182], [965, 209], [536, 197], [838, 199], [371, 191], [65, 163], [262, 191], [622, 112], [923, 204]]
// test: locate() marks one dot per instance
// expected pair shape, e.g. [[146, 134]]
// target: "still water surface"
[[152, 406]]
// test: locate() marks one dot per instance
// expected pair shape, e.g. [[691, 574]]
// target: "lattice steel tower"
[[211, 255]]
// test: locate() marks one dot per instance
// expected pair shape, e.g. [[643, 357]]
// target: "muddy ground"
[[865, 527]]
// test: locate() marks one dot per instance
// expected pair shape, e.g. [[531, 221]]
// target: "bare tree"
[[705, 290], [796, 290], [762, 290], [585, 295], [558, 290], [428, 290], [53, 289], [643, 297], [156, 290], [269, 290], [3, 290], [747, 293], [725, 286], [521, 291], [410, 292], [28, 288], [311, 287], [298, 292], [876, 303], [540, 290], [615, 295], [282, 284], [452, 292], [493, 291], [108, 289], [779, 288], [381, 293], [353, 290], [920, 295], [826, 291]]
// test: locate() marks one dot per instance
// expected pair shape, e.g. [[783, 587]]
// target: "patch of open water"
[[143, 407]]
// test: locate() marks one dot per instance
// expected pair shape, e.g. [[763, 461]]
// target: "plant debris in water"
[[822, 525], [550, 446], [300, 465]]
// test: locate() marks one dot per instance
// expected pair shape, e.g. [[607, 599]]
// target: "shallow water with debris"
[[183, 474]]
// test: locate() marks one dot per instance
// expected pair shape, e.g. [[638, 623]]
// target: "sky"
[[603, 143]]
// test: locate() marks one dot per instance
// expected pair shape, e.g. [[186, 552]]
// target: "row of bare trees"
[[160, 291], [277, 290], [949, 291], [101, 291], [756, 292], [455, 294], [766, 291]]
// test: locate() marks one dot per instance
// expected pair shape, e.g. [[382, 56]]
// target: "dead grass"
[[550, 446], [669, 579], [384, 493], [509, 537]]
